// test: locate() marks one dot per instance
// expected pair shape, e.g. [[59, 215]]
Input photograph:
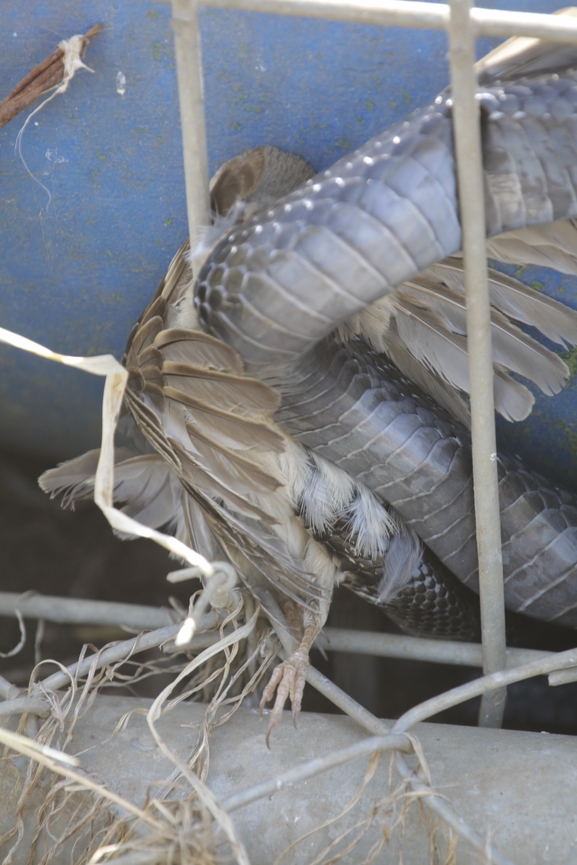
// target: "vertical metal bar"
[[191, 98], [471, 202]]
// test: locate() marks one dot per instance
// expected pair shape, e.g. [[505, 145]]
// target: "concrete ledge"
[[520, 789]]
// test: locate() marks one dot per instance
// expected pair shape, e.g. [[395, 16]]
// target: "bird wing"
[[421, 326], [213, 427]]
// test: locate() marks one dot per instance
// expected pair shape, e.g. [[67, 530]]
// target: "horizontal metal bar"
[[399, 13], [409, 13], [419, 649], [78, 611], [425, 710], [494, 22], [28, 705], [563, 677]]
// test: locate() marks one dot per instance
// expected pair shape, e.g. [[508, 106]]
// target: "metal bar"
[[406, 13], [401, 13], [114, 654], [555, 28], [562, 677], [78, 611], [419, 649], [191, 99], [455, 696], [467, 134], [25, 705], [7, 689]]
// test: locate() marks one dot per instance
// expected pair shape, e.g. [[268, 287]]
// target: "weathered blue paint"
[[75, 273]]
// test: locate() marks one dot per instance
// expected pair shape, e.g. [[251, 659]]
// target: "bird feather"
[[453, 400], [234, 393], [428, 340], [521, 56], [553, 245], [518, 301], [180, 345], [512, 348], [230, 430], [237, 469]]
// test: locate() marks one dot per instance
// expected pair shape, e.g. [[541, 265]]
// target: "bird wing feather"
[[512, 348], [518, 301], [553, 245], [445, 353]]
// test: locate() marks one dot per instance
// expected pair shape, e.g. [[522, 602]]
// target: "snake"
[[278, 287]]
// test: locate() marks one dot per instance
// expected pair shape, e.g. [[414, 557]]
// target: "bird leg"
[[288, 680], [294, 615]]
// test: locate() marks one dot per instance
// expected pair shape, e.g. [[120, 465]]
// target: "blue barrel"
[[94, 211]]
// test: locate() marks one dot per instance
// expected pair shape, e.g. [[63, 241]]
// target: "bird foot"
[[288, 680]]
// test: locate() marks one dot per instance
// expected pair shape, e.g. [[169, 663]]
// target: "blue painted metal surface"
[[76, 271]]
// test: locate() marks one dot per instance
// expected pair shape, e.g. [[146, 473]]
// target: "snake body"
[[277, 288]]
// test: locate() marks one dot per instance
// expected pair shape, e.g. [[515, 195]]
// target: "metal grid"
[[462, 23]]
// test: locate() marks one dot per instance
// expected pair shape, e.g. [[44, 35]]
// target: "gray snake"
[[277, 288]]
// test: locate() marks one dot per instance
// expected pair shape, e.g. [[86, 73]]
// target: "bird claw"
[[288, 680]]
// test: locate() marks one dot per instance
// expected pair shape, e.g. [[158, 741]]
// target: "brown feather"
[[512, 348], [514, 299], [154, 309], [230, 464], [553, 245], [229, 392], [452, 399], [264, 551], [521, 56], [150, 426], [205, 480], [150, 355], [229, 429], [445, 353], [180, 345], [237, 180], [145, 335]]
